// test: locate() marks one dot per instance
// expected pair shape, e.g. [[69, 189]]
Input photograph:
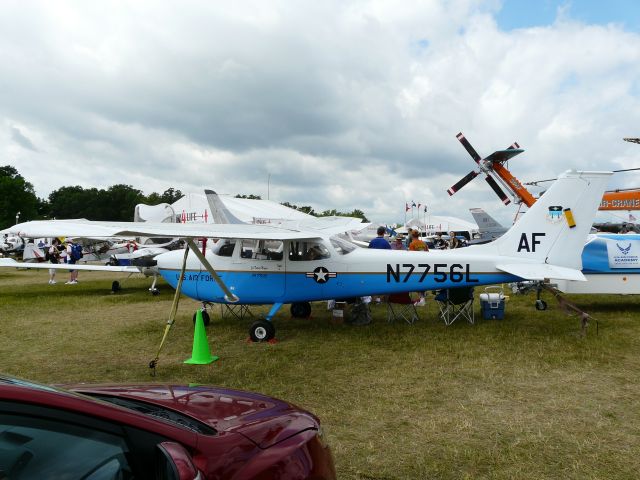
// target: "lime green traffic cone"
[[200, 355]]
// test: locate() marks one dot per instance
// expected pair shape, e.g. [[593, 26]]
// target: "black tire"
[[155, 292], [205, 318], [115, 286], [300, 310], [541, 305], [262, 331]]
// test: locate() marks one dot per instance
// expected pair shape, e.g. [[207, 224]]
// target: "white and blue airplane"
[[262, 264]]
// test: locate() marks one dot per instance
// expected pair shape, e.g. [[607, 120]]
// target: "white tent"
[[193, 208], [434, 224]]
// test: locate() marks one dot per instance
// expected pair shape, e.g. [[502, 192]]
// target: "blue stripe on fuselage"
[[297, 287]]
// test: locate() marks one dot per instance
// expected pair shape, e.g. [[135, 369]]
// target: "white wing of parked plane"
[[11, 263], [55, 228]]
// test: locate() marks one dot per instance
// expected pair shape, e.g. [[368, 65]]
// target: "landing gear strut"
[[263, 330]]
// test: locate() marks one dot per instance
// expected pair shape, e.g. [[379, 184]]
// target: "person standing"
[[53, 254], [72, 258], [417, 245], [380, 242], [398, 243], [453, 241], [409, 238]]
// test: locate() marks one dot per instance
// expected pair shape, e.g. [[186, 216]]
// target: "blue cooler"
[[492, 303]]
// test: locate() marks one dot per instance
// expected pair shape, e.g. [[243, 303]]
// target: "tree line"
[[19, 202]]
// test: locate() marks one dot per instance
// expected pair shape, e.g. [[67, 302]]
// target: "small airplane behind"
[[263, 264], [488, 228]]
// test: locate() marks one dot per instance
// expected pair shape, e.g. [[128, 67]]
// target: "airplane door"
[[259, 271], [309, 268]]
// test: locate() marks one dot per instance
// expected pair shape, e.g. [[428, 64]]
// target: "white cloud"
[[346, 104]]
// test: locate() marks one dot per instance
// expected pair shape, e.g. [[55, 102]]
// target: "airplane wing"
[[57, 228], [11, 263], [541, 271]]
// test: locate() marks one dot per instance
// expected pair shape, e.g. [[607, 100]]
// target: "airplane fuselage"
[[358, 273]]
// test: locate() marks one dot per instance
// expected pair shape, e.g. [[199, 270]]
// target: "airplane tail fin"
[[554, 230], [219, 212], [487, 225]]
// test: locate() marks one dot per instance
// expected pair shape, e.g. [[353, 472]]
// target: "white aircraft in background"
[[262, 264]]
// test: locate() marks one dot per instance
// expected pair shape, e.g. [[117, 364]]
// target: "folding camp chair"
[[238, 311], [401, 307], [455, 303]]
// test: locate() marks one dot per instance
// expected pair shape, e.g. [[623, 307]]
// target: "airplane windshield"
[[342, 245]]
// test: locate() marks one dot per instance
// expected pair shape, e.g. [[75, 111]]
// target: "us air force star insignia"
[[321, 275]]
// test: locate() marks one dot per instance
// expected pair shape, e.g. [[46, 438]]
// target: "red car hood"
[[263, 420]]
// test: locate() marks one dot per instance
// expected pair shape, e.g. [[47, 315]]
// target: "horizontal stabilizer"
[[500, 156], [541, 271], [11, 263]]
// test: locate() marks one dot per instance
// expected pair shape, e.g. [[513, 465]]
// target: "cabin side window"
[[307, 250], [261, 249]]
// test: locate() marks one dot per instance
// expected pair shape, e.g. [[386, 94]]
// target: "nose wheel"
[[262, 331], [205, 317]]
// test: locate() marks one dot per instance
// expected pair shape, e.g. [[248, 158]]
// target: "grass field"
[[526, 397]]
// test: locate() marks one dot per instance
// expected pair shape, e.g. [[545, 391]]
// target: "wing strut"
[[172, 314], [228, 296]]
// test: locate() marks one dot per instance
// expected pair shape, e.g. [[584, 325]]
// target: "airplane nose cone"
[[173, 261]]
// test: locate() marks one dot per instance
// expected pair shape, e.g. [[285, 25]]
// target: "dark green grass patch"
[[526, 397]]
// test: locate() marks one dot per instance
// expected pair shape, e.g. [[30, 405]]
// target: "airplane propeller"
[[485, 166]]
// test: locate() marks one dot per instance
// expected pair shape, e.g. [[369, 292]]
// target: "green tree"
[[16, 197], [305, 209], [250, 197], [116, 203], [170, 195]]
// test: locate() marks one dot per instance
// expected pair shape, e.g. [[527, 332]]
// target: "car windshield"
[[158, 411], [25, 383], [145, 408], [342, 245]]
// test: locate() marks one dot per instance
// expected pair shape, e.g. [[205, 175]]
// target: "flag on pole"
[[425, 209], [406, 207], [632, 218], [413, 204]]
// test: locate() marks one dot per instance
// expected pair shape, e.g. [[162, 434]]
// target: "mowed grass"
[[526, 397]]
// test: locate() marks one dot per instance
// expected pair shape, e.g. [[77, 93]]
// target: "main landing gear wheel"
[[541, 305], [205, 318], [262, 331], [115, 286], [300, 310]]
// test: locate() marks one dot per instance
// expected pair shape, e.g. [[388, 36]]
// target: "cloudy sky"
[[342, 104]]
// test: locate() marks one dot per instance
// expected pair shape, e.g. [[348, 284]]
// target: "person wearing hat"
[[398, 243]]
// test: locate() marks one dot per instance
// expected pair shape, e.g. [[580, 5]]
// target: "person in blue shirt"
[[380, 242]]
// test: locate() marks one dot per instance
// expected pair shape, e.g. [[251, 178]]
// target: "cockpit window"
[[307, 250], [224, 247], [342, 245]]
